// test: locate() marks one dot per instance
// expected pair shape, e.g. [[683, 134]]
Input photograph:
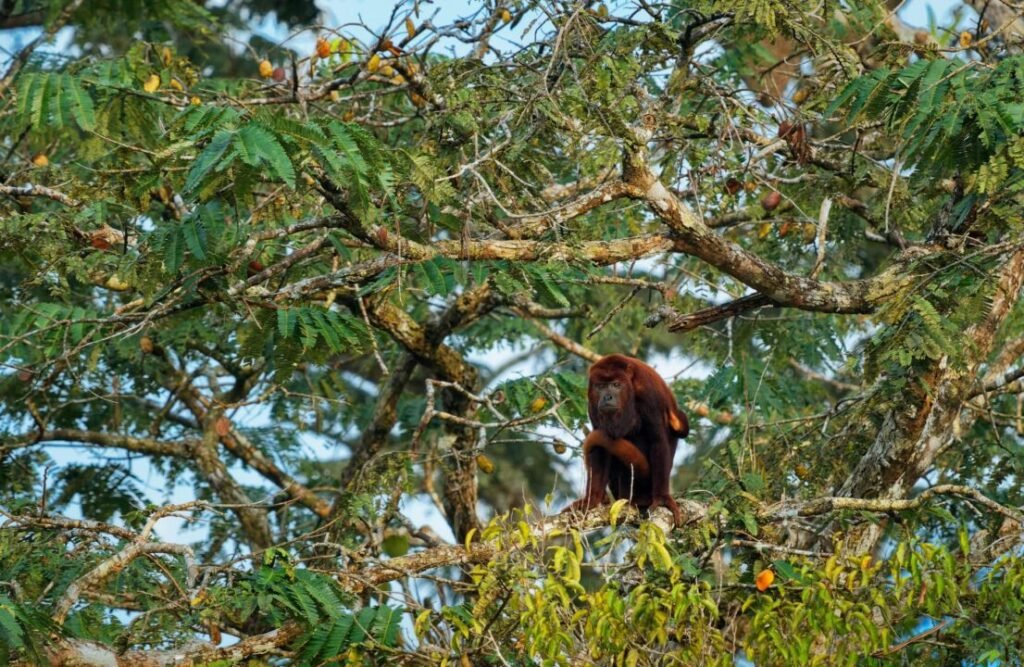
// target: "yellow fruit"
[[506, 15], [799, 96], [764, 230], [559, 447], [177, 85], [410, 27], [386, 70], [764, 580], [418, 99], [266, 69], [323, 48], [165, 56], [40, 160], [538, 404], [373, 64], [146, 345], [195, 101], [965, 39], [602, 10], [485, 464], [152, 83], [115, 283]]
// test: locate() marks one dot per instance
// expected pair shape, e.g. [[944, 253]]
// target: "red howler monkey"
[[637, 425]]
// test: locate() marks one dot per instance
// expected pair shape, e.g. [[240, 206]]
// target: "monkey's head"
[[612, 397]]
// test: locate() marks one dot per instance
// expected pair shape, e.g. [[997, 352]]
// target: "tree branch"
[[696, 238]]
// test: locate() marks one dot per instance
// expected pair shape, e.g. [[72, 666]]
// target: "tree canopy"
[[296, 323]]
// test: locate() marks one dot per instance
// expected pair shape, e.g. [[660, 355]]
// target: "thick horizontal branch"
[[596, 252], [151, 446], [82, 653], [74, 525], [692, 512], [819, 506], [32, 190]]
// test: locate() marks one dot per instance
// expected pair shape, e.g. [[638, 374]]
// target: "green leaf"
[[41, 104], [288, 127], [80, 103], [257, 145], [435, 279], [28, 88], [750, 523], [325, 329], [10, 627], [207, 160], [363, 625], [174, 251], [866, 88], [304, 603], [386, 625], [786, 570], [344, 141], [338, 637], [286, 321], [195, 238]]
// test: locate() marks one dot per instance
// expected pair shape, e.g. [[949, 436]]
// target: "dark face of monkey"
[[609, 396]]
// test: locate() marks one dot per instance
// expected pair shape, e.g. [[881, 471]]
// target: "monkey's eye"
[[616, 385]]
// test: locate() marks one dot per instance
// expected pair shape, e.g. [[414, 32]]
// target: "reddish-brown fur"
[[634, 441], [623, 450]]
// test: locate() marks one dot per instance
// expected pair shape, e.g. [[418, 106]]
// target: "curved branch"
[[112, 566], [696, 238]]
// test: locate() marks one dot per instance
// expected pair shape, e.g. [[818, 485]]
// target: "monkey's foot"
[[671, 504]]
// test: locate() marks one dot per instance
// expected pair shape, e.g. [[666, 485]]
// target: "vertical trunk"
[[909, 440]]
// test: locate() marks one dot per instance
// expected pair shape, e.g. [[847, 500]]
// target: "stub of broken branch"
[[678, 322]]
